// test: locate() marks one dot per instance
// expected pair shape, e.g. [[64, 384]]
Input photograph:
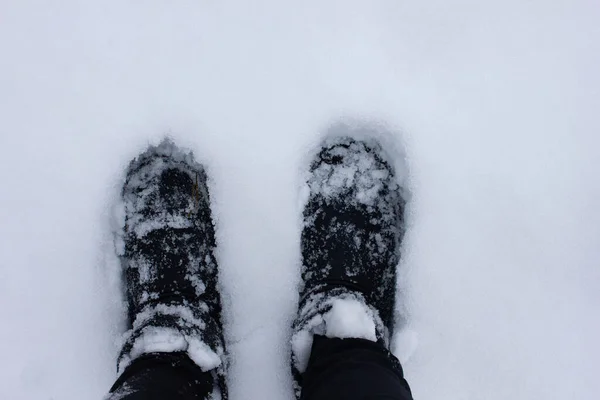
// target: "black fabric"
[[338, 369], [353, 369], [163, 376]]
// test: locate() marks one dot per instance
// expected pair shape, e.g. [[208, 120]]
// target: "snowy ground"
[[498, 101]]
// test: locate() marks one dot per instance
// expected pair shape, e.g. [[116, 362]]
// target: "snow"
[[357, 171], [497, 102], [349, 320]]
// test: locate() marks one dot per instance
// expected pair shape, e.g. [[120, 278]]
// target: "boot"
[[353, 228], [169, 267]]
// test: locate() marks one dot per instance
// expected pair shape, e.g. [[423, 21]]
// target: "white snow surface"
[[498, 104]]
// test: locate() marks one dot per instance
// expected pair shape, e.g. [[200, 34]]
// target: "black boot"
[[353, 228], [170, 271]]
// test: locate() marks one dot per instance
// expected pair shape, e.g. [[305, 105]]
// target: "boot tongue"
[[176, 189], [349, 245]]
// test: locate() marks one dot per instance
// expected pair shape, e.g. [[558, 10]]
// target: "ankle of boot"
[[336, 313], [166, 328]]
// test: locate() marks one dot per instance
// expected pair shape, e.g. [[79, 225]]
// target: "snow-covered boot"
[[353, 228], [169, 267]]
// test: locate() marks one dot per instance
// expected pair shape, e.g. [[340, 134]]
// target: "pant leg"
[[353, 369], [160, 376]]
